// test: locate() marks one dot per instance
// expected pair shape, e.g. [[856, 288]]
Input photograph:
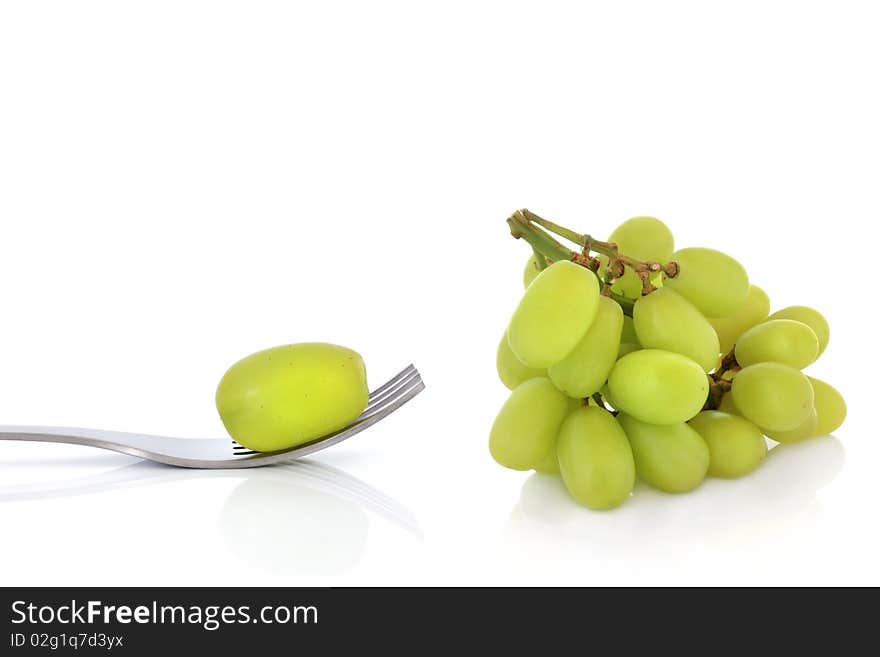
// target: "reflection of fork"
[[222, 452], [286, 476]]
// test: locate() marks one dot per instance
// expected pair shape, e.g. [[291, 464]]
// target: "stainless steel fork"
[[217, 453]]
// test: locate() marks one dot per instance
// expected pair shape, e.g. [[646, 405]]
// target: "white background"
[[183, 183]]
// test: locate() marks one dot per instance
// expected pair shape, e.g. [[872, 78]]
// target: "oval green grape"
[[711, 280], [595, 458], [783, 341], [585, 370], [658, 387], [672, 458], [644, 238], [776, 397], [526, 426], [806, 429], [812, 318], [555, 312], [510, 369], [754, 310], [666, 320], [736, 446], [286, 396], [830, 406]]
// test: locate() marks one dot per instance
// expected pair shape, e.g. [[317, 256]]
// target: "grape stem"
[[540, 241], [728, 366], [553, 251], [617, 262], [717, 389], [540, 260], [720, 381]]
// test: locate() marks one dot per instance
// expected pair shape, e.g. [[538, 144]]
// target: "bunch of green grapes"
[[663, 373]]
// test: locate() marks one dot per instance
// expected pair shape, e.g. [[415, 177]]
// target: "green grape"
[[586, 368], [754, 310], [658, 387], [727, 406], [510, 370], [810, 317], [666, 320], [830, 407], [806, 429], [531, 270], [595, 459], [778, 341], [774, 396], [286, 396], [550, 463], [736, 446], [672, 458], [628, 333], [713, 281], [554, 314], [526, 427], [642, 238]]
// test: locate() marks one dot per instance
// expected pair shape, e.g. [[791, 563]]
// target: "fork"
[[220, 453]]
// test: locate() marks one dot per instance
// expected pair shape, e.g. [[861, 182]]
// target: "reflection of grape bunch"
[[651, 363]]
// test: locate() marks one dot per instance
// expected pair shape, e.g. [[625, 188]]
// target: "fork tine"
[[407, 370], [391, 390], [385, 408], [403, 390]]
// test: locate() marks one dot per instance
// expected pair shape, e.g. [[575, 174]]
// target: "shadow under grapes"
[[719, 511]]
